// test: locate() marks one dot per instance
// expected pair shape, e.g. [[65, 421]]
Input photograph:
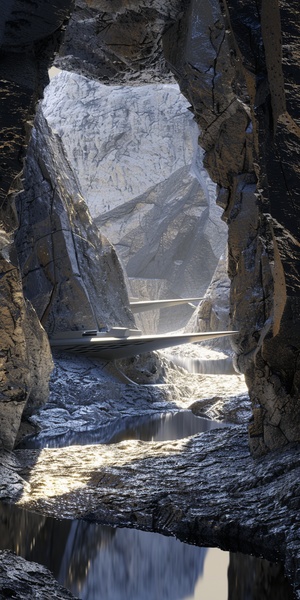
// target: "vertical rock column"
[[29, 35], [25, 356], [241, 81]]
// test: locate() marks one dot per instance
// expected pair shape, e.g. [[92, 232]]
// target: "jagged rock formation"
[[213, 311], [243, 89], [119, 42], [29, 35], [133, 149], [70, 272], [237, 65], [23, 580], [25, 355]]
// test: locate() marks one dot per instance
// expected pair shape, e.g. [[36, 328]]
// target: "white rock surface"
[[121, 140], [136, 157]]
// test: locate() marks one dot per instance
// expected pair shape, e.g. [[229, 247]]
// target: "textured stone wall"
[[243, 86], [70, 273], [29, 35], [238, 65]]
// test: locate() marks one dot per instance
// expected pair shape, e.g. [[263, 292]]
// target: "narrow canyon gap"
[[237, 65]]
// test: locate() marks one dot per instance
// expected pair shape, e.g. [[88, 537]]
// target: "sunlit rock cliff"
[[135, 154], [70, 272]]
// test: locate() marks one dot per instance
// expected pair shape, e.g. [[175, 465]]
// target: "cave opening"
[[243, 98]]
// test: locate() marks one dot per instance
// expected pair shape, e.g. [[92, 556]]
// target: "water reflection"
[[95, 561], [169, 426]]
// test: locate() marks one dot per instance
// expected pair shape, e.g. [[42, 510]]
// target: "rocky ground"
[[205, 489]]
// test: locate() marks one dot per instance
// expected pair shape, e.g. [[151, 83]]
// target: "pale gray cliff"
[[135, 154]]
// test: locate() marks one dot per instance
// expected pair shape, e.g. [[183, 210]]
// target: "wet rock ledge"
[[205, 489]]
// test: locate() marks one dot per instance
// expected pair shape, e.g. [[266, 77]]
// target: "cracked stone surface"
[[70, 272], [22, 579], [243, 90], [119, 42], [25, 355]]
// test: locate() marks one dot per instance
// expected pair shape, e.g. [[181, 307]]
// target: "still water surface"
[[98, 562], [157, 428]]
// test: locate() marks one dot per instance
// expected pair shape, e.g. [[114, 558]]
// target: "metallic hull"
[[110, 348]]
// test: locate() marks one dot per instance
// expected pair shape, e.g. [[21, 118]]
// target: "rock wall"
[[70, 272], [237, 63], [30, 33], [25, 356], [119, 41], [212, 314], [243, 87]]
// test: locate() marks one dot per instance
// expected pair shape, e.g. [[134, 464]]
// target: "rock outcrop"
[[213, 311], [243, 87], [30, 33], [23, 580], [119, 42], [25, 356], [70, 272]]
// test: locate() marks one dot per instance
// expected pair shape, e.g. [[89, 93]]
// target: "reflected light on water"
[[212, 585], [98, 562]]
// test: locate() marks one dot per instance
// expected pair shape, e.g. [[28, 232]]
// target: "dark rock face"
[[25, 356], [213, 311], [119, 42], [243, 90], [70, 272], [29, 35], [256, 580], [23, 580]]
